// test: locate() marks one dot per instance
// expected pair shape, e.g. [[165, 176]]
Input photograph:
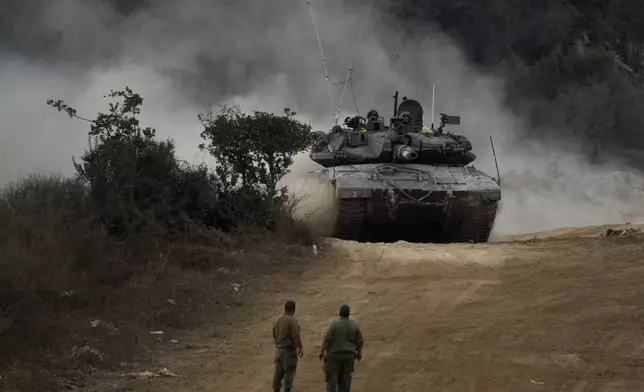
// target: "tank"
[[405, 180]]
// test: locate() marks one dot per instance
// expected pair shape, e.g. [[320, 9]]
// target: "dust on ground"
[[547, 314]]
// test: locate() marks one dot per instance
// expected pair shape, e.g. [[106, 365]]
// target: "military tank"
[[405, 178]]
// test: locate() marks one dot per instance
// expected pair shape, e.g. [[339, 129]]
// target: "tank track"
[[351, 213], [477, 227]]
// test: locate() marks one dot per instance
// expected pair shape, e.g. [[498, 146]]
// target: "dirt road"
[[560, 314]]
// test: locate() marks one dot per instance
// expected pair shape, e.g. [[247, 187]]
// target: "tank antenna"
[[418, 94], [353, 57], [334, 161], [396, 104], [348, 78], [326, 72], [498, 175], [433, 100]]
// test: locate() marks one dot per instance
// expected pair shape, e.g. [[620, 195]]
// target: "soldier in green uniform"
[[342, 345], [288, 347]]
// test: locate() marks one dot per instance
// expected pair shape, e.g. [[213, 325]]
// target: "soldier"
[[372, 115], [342, 345], [406, 117], [288, 347], [373, 121]]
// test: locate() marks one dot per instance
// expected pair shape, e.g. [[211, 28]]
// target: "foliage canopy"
[[253, 150]]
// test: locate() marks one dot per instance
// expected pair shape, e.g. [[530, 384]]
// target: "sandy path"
[[556, 315]]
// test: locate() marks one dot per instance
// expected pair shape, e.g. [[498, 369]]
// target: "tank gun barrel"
[[405, 153]]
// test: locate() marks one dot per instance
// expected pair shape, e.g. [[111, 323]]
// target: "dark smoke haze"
[[184, 56]]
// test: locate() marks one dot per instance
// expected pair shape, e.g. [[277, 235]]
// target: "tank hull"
[[446, 203]]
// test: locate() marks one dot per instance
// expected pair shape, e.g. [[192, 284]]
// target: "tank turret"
[[406, 174], [368, 140]]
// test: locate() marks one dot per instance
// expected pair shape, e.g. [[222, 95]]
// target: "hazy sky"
[[183, 56]]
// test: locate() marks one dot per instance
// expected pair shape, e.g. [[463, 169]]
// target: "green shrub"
[[70, 244]]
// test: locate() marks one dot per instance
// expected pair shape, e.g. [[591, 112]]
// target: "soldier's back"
[[285, 330], [345, 336]]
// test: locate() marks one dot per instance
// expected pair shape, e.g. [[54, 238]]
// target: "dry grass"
[[74, 300]]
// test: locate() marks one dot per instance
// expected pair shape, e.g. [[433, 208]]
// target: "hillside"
[[573, 69], [140, 268], [555, 314]]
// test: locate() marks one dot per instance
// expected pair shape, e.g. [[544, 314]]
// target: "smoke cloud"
[[183, 57]]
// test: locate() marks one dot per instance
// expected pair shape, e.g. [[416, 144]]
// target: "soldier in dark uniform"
[[372, 115], [342, 345], [373, 121], [288, 347]]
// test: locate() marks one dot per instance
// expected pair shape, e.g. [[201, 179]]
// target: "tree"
[[253, 152], [121, 122], [136, 182], [625, 20]]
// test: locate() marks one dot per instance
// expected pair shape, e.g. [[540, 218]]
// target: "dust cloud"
[[313, 196], [183, 57]]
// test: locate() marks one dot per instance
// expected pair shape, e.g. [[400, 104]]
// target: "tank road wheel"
[[477, 226], [351, 213]]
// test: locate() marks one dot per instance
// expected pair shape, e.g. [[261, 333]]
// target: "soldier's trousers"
[[285, 367], [338, 371]]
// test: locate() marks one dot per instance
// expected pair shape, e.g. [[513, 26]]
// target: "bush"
[[136, 182], [253, 152], [47, 230], [69, 246], [138, 186], [47, 239]]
